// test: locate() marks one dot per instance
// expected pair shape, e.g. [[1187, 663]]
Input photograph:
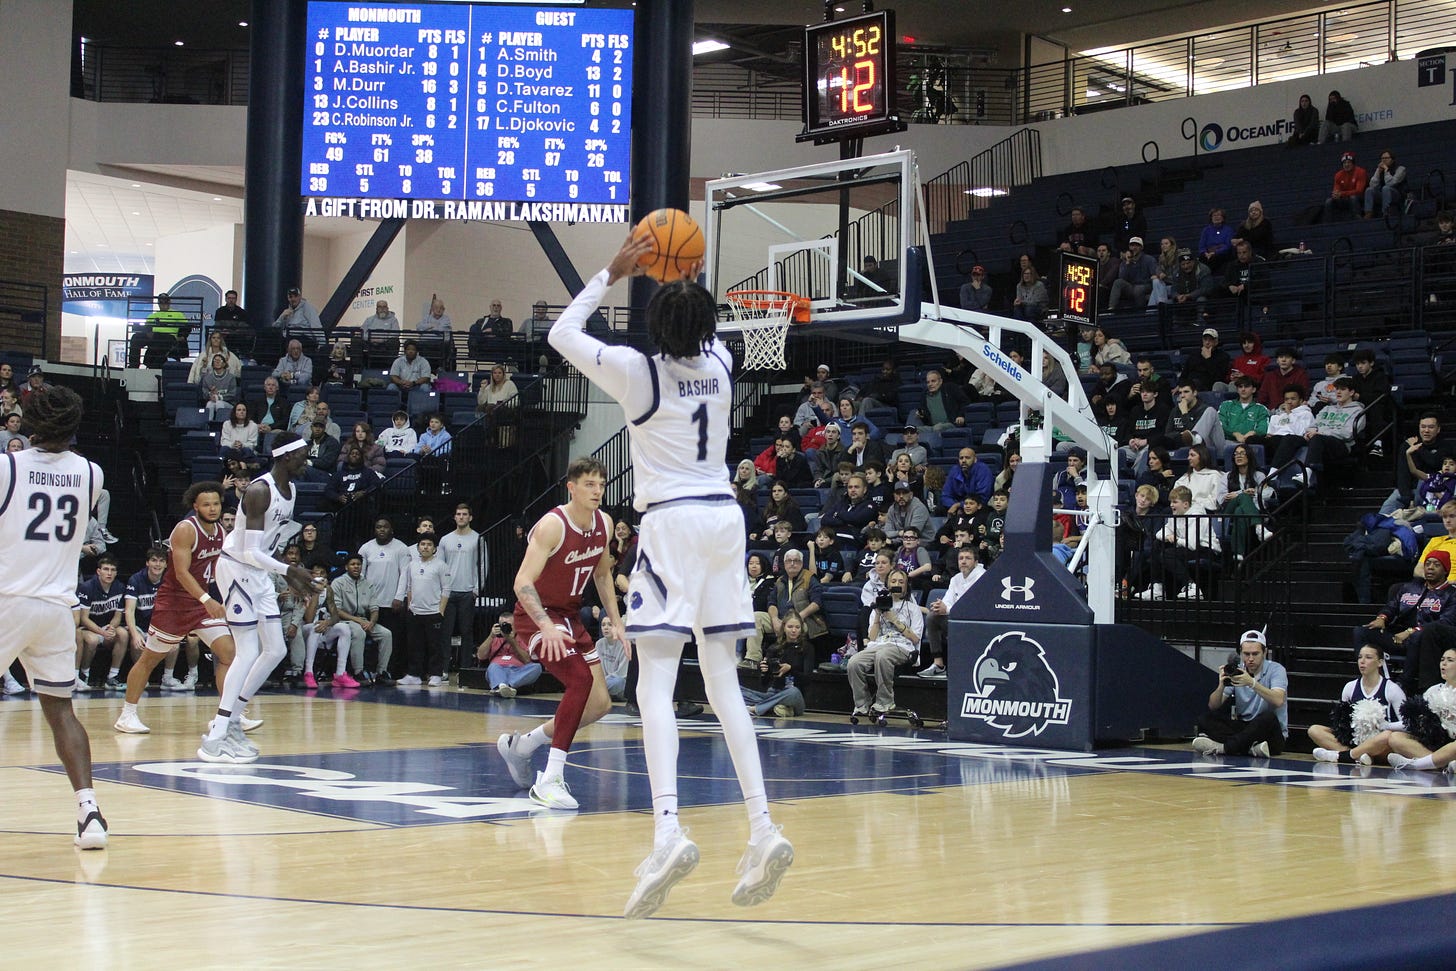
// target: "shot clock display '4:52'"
[[849, 74], [1079, 289]]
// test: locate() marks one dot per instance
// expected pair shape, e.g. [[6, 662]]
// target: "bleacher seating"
[[190, 419]]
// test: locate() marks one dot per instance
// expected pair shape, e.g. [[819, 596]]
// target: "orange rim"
[[771, 300]]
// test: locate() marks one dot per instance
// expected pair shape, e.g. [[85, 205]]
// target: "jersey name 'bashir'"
[[698, 388]]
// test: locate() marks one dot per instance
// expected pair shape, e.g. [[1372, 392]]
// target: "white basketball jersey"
[[45, 510], [279, 529], [679, 446]]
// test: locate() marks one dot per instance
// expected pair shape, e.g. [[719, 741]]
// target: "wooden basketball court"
[[386, 833]]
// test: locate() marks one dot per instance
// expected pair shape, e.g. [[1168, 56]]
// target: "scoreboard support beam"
[[384, 236], [272, 215], [662, 102], [565, 270]]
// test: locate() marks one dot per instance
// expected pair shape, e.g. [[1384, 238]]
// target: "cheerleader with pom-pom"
[[1430, 725], [1364, 718]]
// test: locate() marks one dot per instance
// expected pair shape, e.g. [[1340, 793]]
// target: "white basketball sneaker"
[[659, 873], [130, 723], [762, 867], [552, 793]]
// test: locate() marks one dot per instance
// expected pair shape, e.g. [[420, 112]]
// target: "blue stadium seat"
[[206, 467], [340, 397], [308, 497], [190, 419], [423, 401]]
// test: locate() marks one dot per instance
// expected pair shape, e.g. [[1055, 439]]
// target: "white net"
[[763, 318]]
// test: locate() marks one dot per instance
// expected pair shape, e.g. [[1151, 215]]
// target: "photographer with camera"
[[508, 667], [896, 625], [1247, 712], [789, 658]]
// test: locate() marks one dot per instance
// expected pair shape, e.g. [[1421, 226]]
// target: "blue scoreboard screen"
[[467, 111]]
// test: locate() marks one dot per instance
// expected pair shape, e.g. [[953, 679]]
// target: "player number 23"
[[68, 508]]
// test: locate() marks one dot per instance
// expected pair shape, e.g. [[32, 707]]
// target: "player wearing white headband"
[[251, 552]]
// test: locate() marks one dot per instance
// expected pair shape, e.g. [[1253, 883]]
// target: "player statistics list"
[[515, 109]]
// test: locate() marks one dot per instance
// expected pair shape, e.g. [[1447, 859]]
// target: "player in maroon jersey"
[[183, 605], [567, 547]]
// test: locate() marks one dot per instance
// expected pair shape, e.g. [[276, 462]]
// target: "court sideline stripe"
[[56, 881]]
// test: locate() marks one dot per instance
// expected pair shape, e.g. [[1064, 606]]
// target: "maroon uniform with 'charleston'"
[[568, 570], [176, 612]]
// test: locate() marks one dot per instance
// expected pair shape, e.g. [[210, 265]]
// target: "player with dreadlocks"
[[687, 582], [46, 496]]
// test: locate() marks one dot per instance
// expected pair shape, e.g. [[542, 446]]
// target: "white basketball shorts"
[[43, 636], [247, 593], [689, 577]]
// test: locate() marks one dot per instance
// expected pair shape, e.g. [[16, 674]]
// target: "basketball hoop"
[[763, 317]]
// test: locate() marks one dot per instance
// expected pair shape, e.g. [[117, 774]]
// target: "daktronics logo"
[[1016, 690], [1212, 135]]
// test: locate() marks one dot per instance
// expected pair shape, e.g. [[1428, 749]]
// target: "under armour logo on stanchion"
[[1008, 588]]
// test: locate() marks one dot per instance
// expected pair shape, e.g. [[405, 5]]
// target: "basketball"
[[677, 244]]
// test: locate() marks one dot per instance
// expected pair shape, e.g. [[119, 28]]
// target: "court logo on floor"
[[1016, 689]]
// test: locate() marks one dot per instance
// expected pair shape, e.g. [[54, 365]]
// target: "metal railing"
[[1348, 294], [1231, 592], [506, 535], [494, 463], [160, 75], [1012, 162]]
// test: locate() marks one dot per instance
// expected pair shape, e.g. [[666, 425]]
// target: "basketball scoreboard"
[[467, 111]]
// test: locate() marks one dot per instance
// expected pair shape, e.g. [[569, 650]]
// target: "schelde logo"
[[1016, 691], [1000, 360]]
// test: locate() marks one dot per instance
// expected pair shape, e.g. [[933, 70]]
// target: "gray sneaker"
[[217, 750], [241, 742], [1204, 745], [505, 691], [518, 764]]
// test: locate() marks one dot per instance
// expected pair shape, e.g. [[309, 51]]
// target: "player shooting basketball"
[[687, 582]]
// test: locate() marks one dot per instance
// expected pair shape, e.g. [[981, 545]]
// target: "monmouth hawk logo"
[[1016, 690]]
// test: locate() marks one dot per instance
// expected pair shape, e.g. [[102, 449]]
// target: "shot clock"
[[849, 78], [1079, 289]]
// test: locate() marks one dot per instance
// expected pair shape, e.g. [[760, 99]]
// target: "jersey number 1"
[[700, 418], [69, 508]]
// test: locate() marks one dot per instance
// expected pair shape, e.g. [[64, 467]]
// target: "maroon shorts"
[[172, 622], [576, 635]]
